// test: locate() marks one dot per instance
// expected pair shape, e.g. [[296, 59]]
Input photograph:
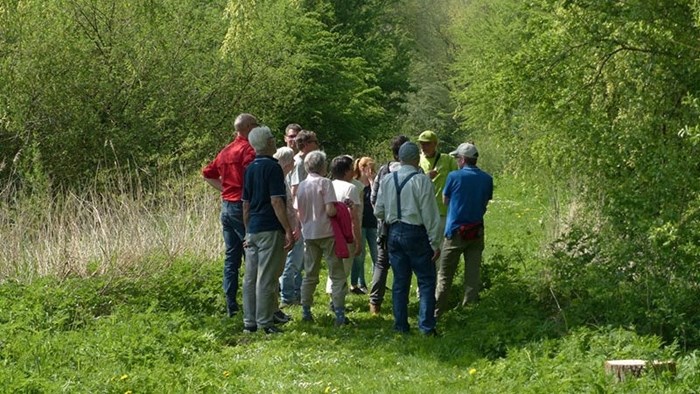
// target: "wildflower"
[[124, 377], [472, 371], [127, 392], [328, 390], [227, 374]]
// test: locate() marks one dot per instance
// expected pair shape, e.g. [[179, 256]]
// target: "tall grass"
[[123, 228]]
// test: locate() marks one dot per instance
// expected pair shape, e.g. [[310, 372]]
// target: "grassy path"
[[168, 333]]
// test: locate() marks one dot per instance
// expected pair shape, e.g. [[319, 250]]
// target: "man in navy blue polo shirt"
[[466, 194], [268, 234]]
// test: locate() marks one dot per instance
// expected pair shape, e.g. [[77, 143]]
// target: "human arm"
[[280, 208], [430, 213], [356, 214], [215, 183], [246, 216], [330, 210], [383, 170]]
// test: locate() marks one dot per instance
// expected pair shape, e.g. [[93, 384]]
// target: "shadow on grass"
[[188, 297]]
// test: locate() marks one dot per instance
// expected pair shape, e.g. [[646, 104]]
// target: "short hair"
[[315, 162], [340, 166], [470, 160], [284, 155], [293, 126], [303, 137], [258, 138], [396, 145], [245, 121]]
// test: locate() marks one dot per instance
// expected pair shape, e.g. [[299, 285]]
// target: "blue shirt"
[[263, 179], [469, 190]]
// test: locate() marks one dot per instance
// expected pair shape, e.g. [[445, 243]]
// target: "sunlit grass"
[[106, 325]]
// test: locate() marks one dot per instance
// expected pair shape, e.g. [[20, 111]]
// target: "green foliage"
[[600, 95], [89, 86]]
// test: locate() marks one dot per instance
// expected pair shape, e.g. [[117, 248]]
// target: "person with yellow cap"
[[436, 166]]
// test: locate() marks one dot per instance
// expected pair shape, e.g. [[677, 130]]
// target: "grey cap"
[[409, 152], [465, 150]]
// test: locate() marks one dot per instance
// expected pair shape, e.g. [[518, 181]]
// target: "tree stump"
[[622, 369]]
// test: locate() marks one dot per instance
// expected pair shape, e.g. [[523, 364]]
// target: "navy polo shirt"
[[263, 179]]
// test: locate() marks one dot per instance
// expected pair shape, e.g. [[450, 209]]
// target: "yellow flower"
[[227, 374], [328, 390], [127, 392], [472, 371], [124, 377]]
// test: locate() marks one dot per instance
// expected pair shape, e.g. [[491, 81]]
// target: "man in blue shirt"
[[268, 234], [466, 194]]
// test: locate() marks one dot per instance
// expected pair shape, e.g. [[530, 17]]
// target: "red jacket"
[[342, 230]]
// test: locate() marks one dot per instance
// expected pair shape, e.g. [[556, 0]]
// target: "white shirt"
[[314, 193], [347, 190], [418, 205]]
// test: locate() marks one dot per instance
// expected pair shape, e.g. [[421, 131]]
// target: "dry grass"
[[128, 230]]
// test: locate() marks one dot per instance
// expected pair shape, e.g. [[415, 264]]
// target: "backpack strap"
[[437, 158], [399, 187]]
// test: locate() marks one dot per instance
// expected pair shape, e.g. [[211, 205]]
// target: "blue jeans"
[[234, 233], [290, 281], [410, 252], [357, 274]]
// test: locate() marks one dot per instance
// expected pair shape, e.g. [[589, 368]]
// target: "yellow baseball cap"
[[428, 136]]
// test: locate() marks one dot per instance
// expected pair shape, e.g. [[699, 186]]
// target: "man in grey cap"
[[467, 192], [406, 201]]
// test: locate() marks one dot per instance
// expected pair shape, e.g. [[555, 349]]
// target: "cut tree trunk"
[[622, 369]]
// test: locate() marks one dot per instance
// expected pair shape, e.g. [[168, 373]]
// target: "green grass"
[[168, 332]]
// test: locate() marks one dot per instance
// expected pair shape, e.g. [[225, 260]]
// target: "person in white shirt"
[[347, 192], [406, 201]]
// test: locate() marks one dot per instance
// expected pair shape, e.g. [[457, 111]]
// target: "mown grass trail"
[[168, 333]]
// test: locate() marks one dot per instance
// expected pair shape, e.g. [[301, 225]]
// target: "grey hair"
[[258, 138], [284, 155], [315, 162], [245, 121]]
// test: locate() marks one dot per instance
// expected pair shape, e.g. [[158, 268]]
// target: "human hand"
[[358, 248], [288, 240], [436, 255], [348, 202], [432, 174]]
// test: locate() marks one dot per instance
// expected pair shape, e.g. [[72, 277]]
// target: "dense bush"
[[603, 96], [90, 85]]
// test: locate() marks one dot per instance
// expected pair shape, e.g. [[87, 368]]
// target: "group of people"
[[417, 215]]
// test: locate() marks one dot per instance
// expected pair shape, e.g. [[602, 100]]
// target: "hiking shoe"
[[307, 318], [344, 321], [432, 333], [232, 310], [250, 329], [280, 317], [272, 330]]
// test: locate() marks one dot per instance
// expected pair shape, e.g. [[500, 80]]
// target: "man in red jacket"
[[225, 173]]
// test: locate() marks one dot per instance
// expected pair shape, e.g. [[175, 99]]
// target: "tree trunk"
[[621, 369]]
